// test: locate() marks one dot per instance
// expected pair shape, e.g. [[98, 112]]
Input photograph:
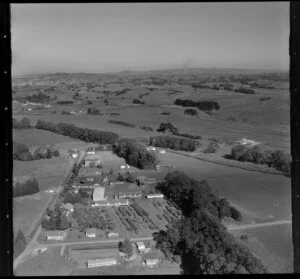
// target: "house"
[[151, 262], [57, 235], [126, 195], [99, 194], [91, 150], [91, 232], [152, 196], [140, 246], [150, 180], [162, 151], [112, 235], [117, 202], [101, 262], [93, 163]]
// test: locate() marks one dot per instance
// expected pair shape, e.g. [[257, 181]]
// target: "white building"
[[152, 196], [91, 232], [99, 194], [140, 246], [112, 235], [57, 235], [101, 262], [151, 262]]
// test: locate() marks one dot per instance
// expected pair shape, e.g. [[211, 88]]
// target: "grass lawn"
[[50, 263]]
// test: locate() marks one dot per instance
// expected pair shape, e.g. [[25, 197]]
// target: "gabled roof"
[[91, 230]]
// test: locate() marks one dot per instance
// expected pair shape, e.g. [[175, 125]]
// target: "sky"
[[112, 37]]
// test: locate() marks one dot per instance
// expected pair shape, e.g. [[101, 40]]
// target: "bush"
[[93, 111], [265, 98], [38, 98], [174, 143], [165, 113], [211, 148], [114, 113], [63, 112], [167, 127], [244, 237], [29, 187], [89, 102], [121, 123], [235, 214], [146, 128], [126, 247], [19, 243], [137, 101], [191, 112]]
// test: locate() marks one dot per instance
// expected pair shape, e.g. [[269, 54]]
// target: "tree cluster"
[[28, 187], [126, 247], [195, 137], [24, 123], [167, 127], [211, 148], [135, 154], [137, 101], [19, 244], [174, 143], [38, 98], [55, 220], [198, 241], [191, 112], [93, 111], [146, 128], [21, 152], [84, 134], [45, 152], [277, 159], [129, 177], [201, 105]]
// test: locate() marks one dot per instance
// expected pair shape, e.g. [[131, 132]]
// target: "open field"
[[49, 263], [272, 245]]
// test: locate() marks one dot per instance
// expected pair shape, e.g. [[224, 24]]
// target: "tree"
[[131, 178], [235, 214], [126, 247], [167, 127]]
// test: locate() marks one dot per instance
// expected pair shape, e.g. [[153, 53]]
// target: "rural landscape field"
[[183, 170]]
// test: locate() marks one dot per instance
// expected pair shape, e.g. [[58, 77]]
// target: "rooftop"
[[99, 194]]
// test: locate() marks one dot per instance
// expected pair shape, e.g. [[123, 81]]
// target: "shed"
[[91, 232], [101, 262], [57, 235], [152, 196], [140, 246], [151, 262]]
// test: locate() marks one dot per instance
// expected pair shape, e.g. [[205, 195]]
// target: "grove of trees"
[[191, 112], [198, 241], [84, 134], [28, 187], [135, 154], [167, 127], [174, 143], [19, 243], [277, 159], [126, 247], [137, 101], [244, 90], [201, 105], [38, 98], [24, 123]]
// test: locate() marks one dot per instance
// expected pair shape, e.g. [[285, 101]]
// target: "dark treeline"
[[146, 128], [19, 243], [277, 159], [201, 105], [93, 111], [121, 123], [198, 240], [64, 102], [195, 137], [244, 90], [28, 187], [174, 143], [24, 123], [135, 154], [84, 134], [121, 92]]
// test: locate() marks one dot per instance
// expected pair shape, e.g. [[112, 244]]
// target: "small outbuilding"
[[91, 232], [101, 262], [151, 262], [57, 235]]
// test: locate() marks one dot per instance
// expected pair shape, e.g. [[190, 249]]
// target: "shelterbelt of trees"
[[198, 241], [84, 134], [277, 159], [134, 153], [201, 105]]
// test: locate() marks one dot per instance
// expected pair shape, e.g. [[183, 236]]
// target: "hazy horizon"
[[106, 38]]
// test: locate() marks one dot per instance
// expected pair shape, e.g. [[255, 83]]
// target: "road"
[[33, 243], [259, 225]]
